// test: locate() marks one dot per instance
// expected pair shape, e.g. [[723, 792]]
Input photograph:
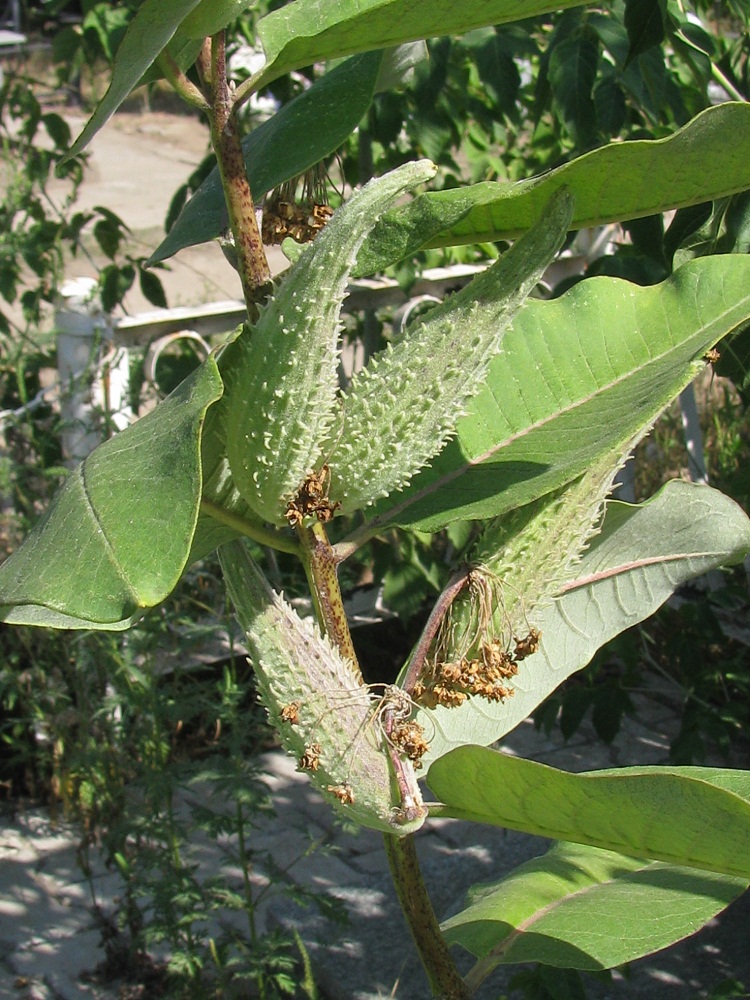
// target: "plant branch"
[[273, 539], [252, 264], [179, 81], [445, 981], [455, 585], [320, 566]]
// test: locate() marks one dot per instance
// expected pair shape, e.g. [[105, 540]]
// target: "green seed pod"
[[403, 407], [331, 721], [523, 558], [283, 392]]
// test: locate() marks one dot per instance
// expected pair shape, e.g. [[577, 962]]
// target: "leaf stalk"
[[320, 565]]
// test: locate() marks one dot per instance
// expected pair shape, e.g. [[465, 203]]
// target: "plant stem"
[[445, 981], [455, 585], [252, 264], [320, 566]]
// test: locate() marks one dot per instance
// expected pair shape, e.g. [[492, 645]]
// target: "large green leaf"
[[679, 815], [302, 133], [117, 535], [310, 31], [706, 159], [148, 33], [577, 376], [637, 561], [580, 907]]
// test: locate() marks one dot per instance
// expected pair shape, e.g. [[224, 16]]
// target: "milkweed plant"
[[510, 412]]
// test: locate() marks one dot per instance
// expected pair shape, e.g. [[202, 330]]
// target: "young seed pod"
[[322, 710], [403, 407], [282, 391]]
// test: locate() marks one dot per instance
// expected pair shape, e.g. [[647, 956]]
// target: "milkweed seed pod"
[[402, 408], [519, 562], [323, 712], [282, 393]]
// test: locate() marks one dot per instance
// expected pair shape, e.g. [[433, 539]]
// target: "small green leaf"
[[642, 555], [580, 907], [116, 537], [572, 71], [154, 24], [400, 410], [680, 815], [708, 158], [281, 394], [577, 376], [645, 21], [301, 134], [317, 702]]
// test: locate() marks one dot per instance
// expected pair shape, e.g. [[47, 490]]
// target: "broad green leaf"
[[311, 31], [281, 396], [577, 375], [318, 703], [148, 33], [642, 555], [116, 537], [400, 410], [706, 159], [580, 907], [678, 815], [299, 135]]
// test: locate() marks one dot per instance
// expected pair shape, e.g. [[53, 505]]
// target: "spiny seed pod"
[[402, 408], [325, 715], [282, 393]]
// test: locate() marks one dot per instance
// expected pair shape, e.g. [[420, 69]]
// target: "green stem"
[[252, 264], [445, 981], [273, 539], [182, 85], [320, 566]]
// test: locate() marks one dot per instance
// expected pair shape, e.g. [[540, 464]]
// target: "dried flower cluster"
[[312, 498], [287, 218], [343, 793], [310, 759], [485, 675], [409, 739]]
